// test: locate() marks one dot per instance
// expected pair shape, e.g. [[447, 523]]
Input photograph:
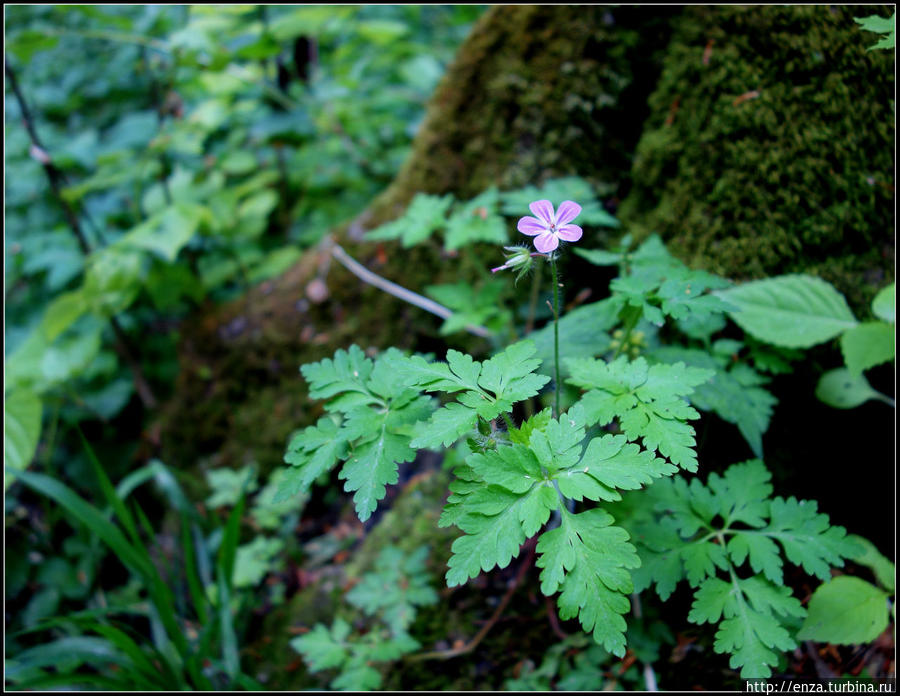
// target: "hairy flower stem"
[[533, 299], [555, 330]]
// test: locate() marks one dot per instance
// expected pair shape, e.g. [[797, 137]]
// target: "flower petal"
[[531, 226], [569, 233], [544, 210], [568, 211], [545, 243]]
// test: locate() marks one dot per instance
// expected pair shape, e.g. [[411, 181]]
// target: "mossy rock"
[[769, 148]]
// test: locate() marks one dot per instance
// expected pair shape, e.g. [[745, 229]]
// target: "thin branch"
[[55, 176], [472, 644], [397, 291], [39, 153]]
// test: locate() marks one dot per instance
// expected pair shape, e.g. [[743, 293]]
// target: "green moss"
[[769, 148], [536, 92]]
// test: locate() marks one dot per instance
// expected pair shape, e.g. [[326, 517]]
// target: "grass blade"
[[90, 517], [195, 587]]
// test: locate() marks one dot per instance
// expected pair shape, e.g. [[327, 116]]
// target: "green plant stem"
[[532, 300], [555, 331], [886, 399]]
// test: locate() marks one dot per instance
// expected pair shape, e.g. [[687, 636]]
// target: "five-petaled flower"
[[549, 226]]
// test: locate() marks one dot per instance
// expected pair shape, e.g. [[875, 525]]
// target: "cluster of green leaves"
[[484, 391], [647, 401], [657, 285], [800, 311], [371, 408], [654, 287], [707, 534], [479, 305], [503, 495], [390, 595], [144, 635], [481, 219], [511, 483], [880, 25], [574, 664], [257, 558], [201, 148], [736, 390]]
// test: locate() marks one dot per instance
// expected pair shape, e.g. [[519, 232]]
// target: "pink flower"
[[549, 226]]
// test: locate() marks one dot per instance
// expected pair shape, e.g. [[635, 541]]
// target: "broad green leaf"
[[253, 560], [883, 306], [794, 311], [372, 466], [583, 333], [446, 426], [476, 221], [321, 648], [64, 311], [25, 44], [315, 450], [588, 560], [69, 356], [880, 25], [112, 279], [806, 537], [841, 389], [866, 345], [846, 610], [166, 232], [599, 257], [869, 556], [21, 431]]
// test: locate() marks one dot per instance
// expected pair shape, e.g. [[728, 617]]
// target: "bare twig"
[[472, 644], [554, 620], [39, 153], [397, 291], [55, 177]]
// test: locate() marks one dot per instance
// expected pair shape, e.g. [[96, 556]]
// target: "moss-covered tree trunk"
[[769, 147], [761, 141]]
